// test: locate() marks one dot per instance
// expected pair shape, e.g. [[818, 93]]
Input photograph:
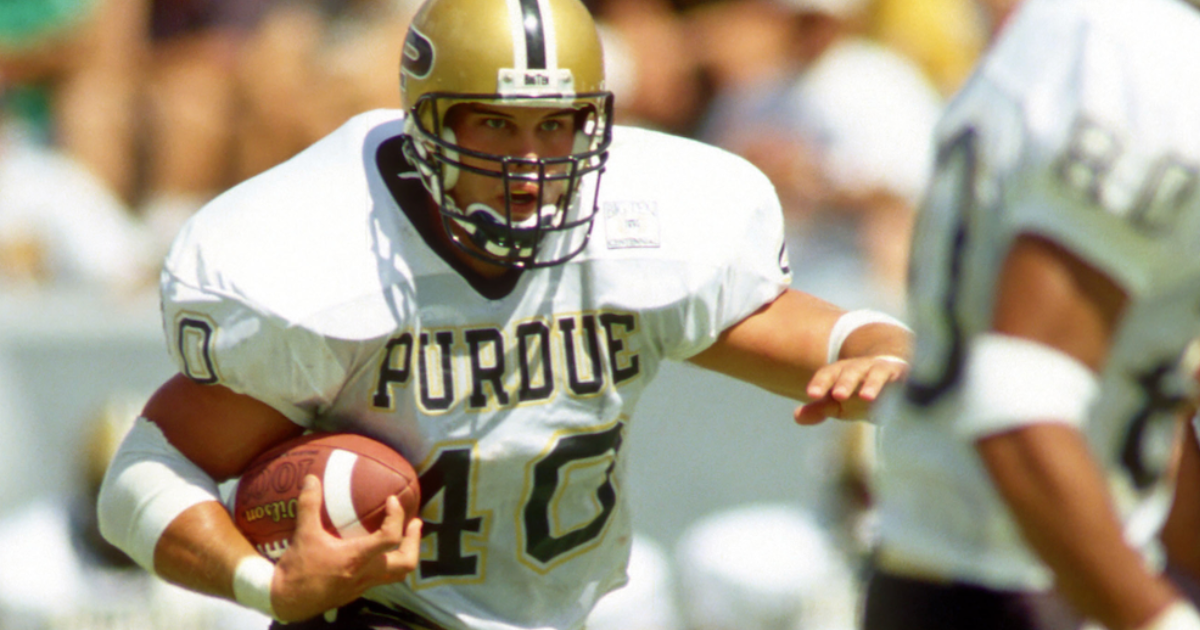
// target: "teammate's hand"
[[320, 571], [846, 389]]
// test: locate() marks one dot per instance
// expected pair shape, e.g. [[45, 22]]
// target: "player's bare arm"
[[1044, 470], [770, 349], [221, 432]]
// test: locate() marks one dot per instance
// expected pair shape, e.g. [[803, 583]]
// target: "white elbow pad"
[[1013, 382], [147, 485]]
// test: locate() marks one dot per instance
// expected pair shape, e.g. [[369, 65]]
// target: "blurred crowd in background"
[[120, 118]]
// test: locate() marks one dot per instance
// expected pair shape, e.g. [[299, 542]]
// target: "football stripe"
[[339, 495]]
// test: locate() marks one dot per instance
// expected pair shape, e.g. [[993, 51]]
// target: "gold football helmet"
[[535, 53]]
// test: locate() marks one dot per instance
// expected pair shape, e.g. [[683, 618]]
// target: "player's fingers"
[[403, 560], [882, 372], [390, 532], [308, 505], [849, 379], [874, 383], [822, 380], [817, 411]]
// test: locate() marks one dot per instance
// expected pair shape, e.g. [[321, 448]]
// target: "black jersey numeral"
[[195, 339], [925, 386], [457, 531], [1161, 400], [447, 484]]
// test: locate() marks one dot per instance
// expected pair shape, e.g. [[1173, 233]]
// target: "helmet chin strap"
[[528, 223], [489, 231]]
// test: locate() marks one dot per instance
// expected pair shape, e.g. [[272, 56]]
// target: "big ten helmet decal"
[[530, 53]]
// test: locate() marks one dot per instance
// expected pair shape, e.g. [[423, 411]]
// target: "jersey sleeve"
[[274, 289], [220, 339], [739, 261], [1067, 155]]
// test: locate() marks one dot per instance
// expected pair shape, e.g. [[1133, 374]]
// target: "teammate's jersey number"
[[938, 364], [1160, 403], [455, 531], [1147, 193]]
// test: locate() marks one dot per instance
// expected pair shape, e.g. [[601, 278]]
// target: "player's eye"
[[495, 123], [556, 124]]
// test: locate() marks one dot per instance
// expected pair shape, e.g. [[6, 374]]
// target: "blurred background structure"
[[57, 572], [119, 118]]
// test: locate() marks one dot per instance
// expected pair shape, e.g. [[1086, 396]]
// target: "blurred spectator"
[[311, 65], [650, 71], [61, 225], [996, 14], [647, 601], [944, 37], [191, 90], [841, 124], [70, 67], [57, 573], [763, 567]]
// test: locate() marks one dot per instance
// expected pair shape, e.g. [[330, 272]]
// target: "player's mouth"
[[524, 198], [523, 202]]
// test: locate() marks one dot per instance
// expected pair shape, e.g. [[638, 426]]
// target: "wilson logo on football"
[[276, 511]]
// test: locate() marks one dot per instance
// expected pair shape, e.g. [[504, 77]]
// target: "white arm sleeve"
[[147, 485]]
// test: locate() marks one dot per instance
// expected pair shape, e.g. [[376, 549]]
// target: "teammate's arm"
[[1043, 469], [1181, 533], [221, 431], [784, 348]]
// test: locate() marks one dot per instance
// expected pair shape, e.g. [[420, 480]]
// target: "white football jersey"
[[309, 288], [1079, 127]]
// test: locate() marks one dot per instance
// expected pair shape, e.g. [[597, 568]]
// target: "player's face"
[[522, 132]]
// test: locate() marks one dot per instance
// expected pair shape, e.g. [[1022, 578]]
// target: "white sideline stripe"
[[339, 498]]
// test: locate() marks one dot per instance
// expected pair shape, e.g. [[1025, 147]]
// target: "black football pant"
[[901, 603], [362, 614]]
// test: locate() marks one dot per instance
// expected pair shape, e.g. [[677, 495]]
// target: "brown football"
[[357, 476]]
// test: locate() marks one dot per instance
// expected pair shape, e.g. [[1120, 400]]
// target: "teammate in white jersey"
[[1054, 287], [455, 281]]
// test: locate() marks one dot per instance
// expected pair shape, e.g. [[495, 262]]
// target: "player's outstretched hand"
[[320, 571], [846, 389]]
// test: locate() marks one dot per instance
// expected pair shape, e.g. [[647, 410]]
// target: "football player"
[[1055, 286], [456, 281], [1179, 532]]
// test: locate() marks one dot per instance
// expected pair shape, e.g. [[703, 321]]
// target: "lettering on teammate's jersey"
[[632, 224], [488, 368], [1147, 191]]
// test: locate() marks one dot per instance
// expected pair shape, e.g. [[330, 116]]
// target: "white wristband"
[[1177, 616], [851, 321], [252, 584]]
